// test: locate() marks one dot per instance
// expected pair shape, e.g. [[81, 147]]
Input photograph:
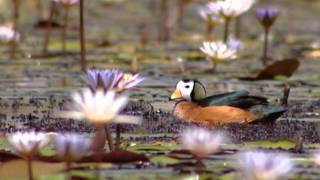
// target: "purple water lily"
[[91, 79], [111, 79], [267, 16], [129, 81], [233, 44]]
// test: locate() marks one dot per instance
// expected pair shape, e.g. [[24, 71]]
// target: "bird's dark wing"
[[239, 99], [246, 102], [222, 99]]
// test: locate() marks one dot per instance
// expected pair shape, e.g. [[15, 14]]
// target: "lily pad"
[[18, 169]]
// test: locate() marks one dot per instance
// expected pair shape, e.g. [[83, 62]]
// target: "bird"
[[238, 107]]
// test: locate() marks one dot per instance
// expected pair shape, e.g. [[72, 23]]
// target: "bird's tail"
[[267, 114]]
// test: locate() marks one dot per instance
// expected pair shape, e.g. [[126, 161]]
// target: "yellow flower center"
[[215, 60], [127, 77]]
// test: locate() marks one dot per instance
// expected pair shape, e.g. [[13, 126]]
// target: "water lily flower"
[[67, 2], [234, 44], [257, 165], [211, 19], [106, 79], [111, 80], [201, 142], [128, 81], [71, 147], [26, 144], [100, 108], [267, 16], [316, 158], [229, 9], [7, 34], [218, 51], [208, 16]]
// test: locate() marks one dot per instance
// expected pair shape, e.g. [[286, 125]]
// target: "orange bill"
[[176, 95]]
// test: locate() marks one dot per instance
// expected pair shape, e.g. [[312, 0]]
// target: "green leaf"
[[163, 160]]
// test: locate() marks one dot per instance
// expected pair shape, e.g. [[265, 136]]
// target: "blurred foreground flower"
[[218, 51], [111, 80], [100, 108], [26, 144], [7, 34], [201, 142], [264, 166], [105, 79], [71, 147], [316, 158]]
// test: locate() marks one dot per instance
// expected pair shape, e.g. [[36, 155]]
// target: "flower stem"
[[215, 63], [210, 27], [48, 29], [13, 51], [181, 11], [199, 162], [96, 171], [40, 9], [82, 37], [30, 173], [265, 47], [164, 29], [214, 68], [99, 139], [226, 29], [152, 6], [238, 27], [118, 136], [65, 27], [68, 167], [109, 138]]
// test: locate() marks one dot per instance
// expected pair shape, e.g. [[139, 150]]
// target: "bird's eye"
[[187, 87]]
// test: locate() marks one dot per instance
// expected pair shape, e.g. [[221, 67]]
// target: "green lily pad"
[[163, 160], [285, 144]]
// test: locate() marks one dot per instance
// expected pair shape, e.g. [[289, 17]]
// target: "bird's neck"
[[184, 106]]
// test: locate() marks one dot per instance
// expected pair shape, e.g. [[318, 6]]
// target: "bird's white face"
[[183, 90]]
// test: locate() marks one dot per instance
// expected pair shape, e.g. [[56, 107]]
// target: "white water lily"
[[218, 51], [26, 144], [208, 16], [257, 165], [71, 147], [100, 108], [67, 2], [316, 158], [7, 34], [201, 142], [230, 8]]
